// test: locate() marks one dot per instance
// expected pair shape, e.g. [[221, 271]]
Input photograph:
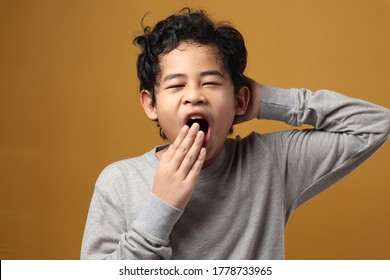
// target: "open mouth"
[[203, 124]]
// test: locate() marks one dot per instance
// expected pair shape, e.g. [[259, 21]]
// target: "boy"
[[204, 196]]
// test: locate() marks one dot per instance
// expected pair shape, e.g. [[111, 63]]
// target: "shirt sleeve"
[[346, 132], [108, 236]]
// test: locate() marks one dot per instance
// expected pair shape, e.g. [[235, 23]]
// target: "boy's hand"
[[253, 109], [179, 167]]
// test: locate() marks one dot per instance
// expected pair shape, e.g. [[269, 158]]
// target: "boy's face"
[[194, 85]]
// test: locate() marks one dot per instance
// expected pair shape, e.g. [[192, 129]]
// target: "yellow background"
[[69, 107]]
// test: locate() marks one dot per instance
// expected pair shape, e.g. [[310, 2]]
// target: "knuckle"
[[174, 147], [198, 166], [189, 157], [183, 149]]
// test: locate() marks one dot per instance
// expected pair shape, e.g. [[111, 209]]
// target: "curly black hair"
[[195, 27]]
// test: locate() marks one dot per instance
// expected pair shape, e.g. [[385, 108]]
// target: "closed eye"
[[211, 84], [175, 86]]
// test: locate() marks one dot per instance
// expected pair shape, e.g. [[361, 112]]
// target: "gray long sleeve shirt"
[[242, 202]]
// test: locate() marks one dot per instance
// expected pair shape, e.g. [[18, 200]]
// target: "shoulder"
[[260, 146], [246, 148], [128, 171]]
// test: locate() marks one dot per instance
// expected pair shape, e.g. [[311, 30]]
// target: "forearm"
[[346, 132], [146, 237], [325, 110]]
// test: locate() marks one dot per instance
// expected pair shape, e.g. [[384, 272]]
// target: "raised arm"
[[346, 132]]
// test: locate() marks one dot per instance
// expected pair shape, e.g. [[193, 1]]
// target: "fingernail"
[[195, 125], [200, 134]]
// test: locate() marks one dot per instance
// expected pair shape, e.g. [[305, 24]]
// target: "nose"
[[194, 96]]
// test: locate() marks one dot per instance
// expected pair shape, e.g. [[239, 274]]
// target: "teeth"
[[203, 124]]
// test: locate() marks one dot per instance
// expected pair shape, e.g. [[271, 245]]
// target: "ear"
[[146, 101], [242, 100]]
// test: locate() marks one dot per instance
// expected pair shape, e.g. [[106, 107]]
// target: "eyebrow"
[[173, 76], [202, 74], [212, 73]]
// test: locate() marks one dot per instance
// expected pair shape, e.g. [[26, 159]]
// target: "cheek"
[[169, 124], [225, 107]]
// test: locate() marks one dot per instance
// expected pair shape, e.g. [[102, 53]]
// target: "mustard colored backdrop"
[[69, 107]]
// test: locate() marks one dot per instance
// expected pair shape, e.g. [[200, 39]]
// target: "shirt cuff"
[[157, 218], [277, 104]]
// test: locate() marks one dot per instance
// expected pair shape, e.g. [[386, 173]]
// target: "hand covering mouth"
[[203, 124]]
